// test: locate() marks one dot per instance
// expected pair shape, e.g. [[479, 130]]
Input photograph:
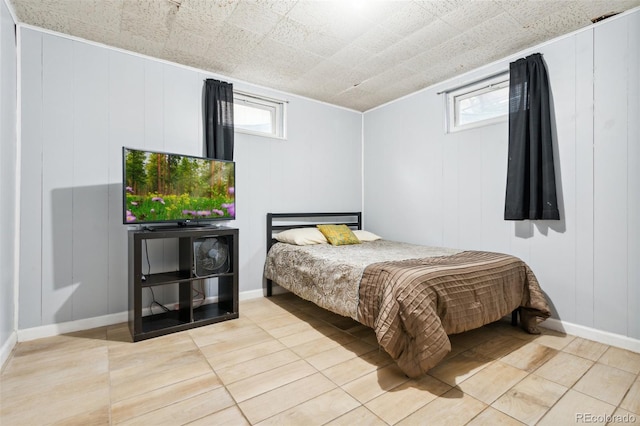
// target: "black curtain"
[[218, 119], [531, 183]]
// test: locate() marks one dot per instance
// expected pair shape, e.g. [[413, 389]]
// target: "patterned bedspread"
[[412, 296], [329, 276]]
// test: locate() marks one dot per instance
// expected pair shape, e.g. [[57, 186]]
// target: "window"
[[258, 115], [478, 104]]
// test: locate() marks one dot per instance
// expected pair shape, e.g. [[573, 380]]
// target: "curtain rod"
[[469, 83], [252, 95], [255, 96]]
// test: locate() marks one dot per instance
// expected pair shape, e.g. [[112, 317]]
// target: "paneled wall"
[[8, 152], [426, 186], [80, 104]]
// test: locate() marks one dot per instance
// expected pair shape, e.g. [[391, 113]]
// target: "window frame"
[[480, 87], [276, 107]]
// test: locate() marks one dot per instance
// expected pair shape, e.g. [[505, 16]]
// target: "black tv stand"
[[186, 313]]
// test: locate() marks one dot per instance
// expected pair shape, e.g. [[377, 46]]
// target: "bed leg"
[[514, 317], [269, 288]]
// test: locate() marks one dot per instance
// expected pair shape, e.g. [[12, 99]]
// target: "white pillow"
[[366, 235], [301, 236]]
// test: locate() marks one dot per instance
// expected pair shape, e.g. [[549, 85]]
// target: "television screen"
[[164, 187]]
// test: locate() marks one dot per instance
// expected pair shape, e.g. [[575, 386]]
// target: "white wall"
[[8, 149], [426, 186], [80, 104]]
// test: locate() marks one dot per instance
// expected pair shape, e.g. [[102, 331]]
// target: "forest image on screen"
[[162, 187]]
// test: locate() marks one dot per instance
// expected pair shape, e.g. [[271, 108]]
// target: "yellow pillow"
[[338, 234]]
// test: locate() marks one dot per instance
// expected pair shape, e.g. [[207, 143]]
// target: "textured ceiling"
[[353, 53]]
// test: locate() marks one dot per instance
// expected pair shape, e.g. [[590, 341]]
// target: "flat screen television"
[[160, 187]]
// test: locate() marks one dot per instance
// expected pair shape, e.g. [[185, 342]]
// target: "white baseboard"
[[256, 294], [599, 336], [251, 294], [70, 326], [7, 347]]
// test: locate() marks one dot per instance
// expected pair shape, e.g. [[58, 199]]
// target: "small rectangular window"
[[479, 104], [258, 115]]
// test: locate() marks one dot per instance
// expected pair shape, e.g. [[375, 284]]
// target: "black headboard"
[[277, 222]]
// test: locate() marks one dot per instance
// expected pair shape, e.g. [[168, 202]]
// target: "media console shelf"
[[186, 315]]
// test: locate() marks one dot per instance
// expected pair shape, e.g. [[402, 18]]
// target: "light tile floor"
[[288, 362]]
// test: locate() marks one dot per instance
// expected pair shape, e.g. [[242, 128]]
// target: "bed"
[[412, 296]]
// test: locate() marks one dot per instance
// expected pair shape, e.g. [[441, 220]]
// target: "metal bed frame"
[[304, 221], [277, 222]]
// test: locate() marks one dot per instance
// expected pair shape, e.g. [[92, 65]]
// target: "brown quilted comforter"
[[413, 304]]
